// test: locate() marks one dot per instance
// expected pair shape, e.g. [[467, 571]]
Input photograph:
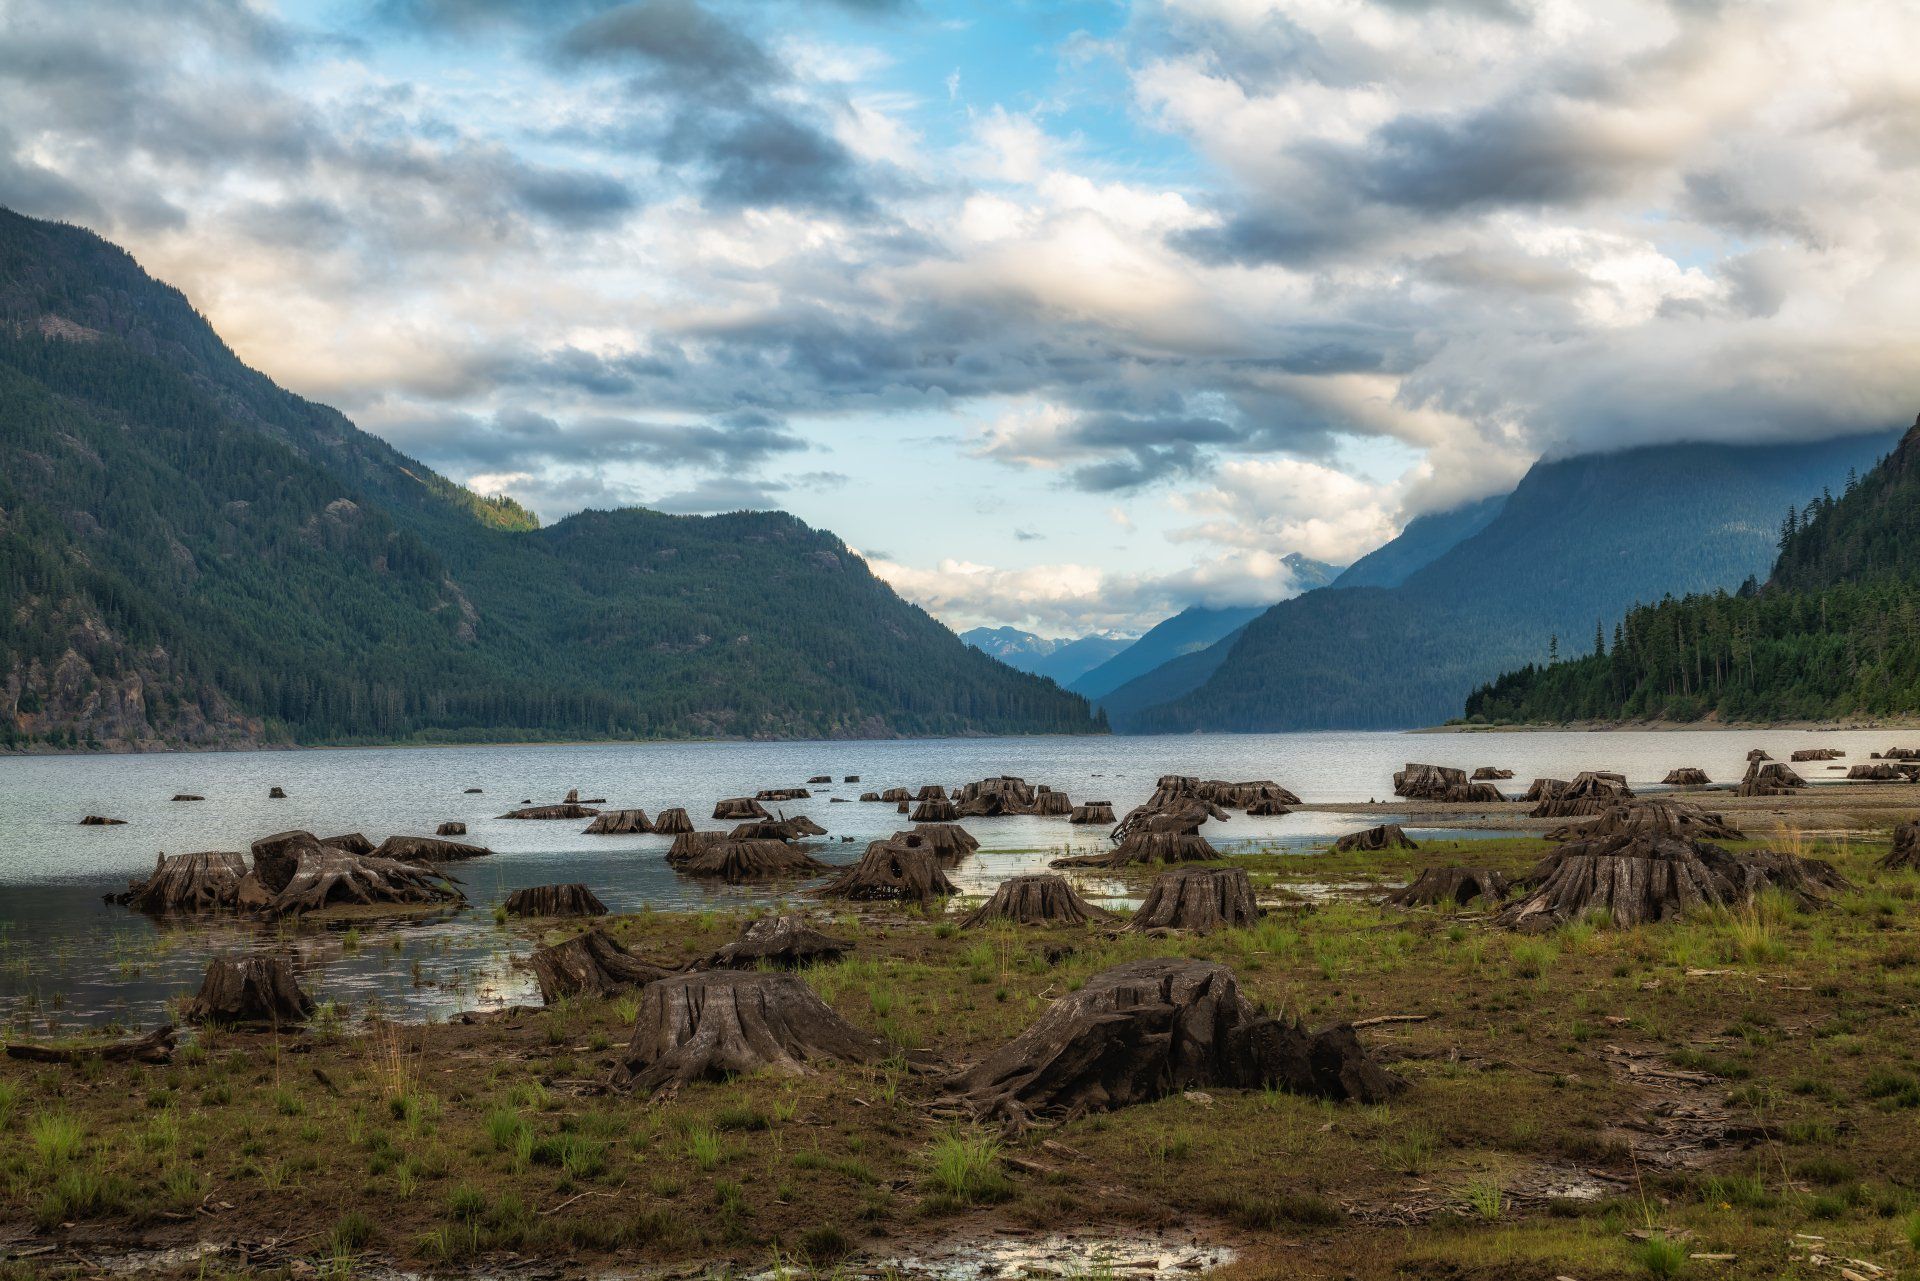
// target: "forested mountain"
[[1578, 543], [1060, 661], [1193, 628], [1424, 540], [1834, 633], [194, 556]]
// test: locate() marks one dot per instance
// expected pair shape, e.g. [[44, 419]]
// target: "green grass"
[[966, 1167]]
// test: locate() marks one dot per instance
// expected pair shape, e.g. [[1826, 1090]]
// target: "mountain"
[[1424, 540], [194, 556], [1833, 634], [1061, 661], [1309, 573], [1193, 628], [1578, 543]]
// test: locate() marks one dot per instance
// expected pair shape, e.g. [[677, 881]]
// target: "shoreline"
[[1669, 727]]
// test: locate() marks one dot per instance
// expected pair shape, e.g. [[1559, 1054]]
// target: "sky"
[[1066, 314]]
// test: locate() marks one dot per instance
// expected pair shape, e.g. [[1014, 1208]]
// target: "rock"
[[1045, 899], [621, 823], [94, 820], [589, 964], [1451, 887], [429, 849], [250, 990], [891, 871], [1147, 1029], [784, 942], [1199, 899], [555, 900], [1387, 836], [672, 822]]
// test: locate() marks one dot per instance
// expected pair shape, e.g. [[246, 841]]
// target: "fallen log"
[[155, 1047], [1041, 899], [573, 899]]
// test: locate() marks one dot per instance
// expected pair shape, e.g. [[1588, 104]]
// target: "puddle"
[[1057, 1255]]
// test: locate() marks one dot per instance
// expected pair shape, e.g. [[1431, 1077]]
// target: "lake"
[[69, 960]]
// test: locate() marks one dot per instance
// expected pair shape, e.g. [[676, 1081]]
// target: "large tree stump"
[[1817, 754], [689, 845], [780, 794], [1041, 899], [1490, 773], [720, 1023], [429, 849], [1686, 776], [949, 842], [1656, 815], [929, 792], [1144, 1030], [869, 796], [566, 809], [1590, 792], [323, 876], [1769, 778], [573, 899], [1758, 754], [936, 809], [736, 808], [895, 795], [351, 842], [1267, 809], [1145, 844], [1419, 782], [783, 942], [631, 822], [1387, 836], [249, 990], [1905, 851], [736, 861], [1091, 814], [1235, 796], [275, 857], [452, 827], [589, 964], [1452, 887], [214, 881], [1199, 899], [672, 822], [1050, 804], [891, 872], [1881, 772], [1543, 789]]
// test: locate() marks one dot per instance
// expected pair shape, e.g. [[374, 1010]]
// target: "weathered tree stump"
[[1905, 851], [1267, 809], [573, 899], [777, 829], [1590, 792], [1451, 887], [1092, 814], [249, 990], [1655, 815], [1489, 773], [1769, 778], [1686, 776], [428, 849], [888, 871], [306, 876], [1162, 839], [476, 791], [672, 822], [276, 793], [780, 794], [451, 827], [1199, 899], [720, 1023], [902, 807], [1387, 836], [1817, 754], [589, 964], [95, 820], [1144, 1030], [208, 882], [566, 809], [1050, 804], [1544, 789], [1758, 754], [735, 808], [1900, 754], [1233, 796], [929, 792], [689, 845], [894, 795], [949, 842], [1881, 772], [351, 842], [187, 796], [869, 796], [619, 823], [820, 778], [785, 942], [1427, 782], [1043, 899], [936, 809], [736, 861]]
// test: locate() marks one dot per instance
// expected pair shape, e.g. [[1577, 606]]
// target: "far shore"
[[1609, 727]]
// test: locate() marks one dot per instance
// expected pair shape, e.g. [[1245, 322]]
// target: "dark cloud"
[[742, 493], [520, 439], [573, 199], [757, 157], [679, 46]]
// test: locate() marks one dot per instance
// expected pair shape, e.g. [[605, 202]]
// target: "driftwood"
[[1091, 813], [451, 828], [95, 820], [208, 882], [1817, 754], [935, 809], [1905, 851], [249, 990], [1044, 899], [1146, 1029], [1387, 836], [154, 1047], [1198, 899], [1451, 886], [1590, 792], [891, 871], [736, 808], [322, 876], [736, 861], [573, 899], [720, 1023], [429, 849], [1654, 815], [1769, 778], [672, 822], [782, 942], [619, 823], [566, 809], [1490, 772], [589, 964], [1686, 776], [948, 842]]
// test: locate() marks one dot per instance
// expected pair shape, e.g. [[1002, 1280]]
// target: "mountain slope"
[[1835, 632], [1424, 540], [194, 556], [1193, 628], [1060, 661], [1578, 543]]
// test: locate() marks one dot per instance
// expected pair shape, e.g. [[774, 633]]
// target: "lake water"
[[68, 960]]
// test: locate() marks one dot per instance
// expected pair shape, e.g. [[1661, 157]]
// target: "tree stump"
[[1267, 809], [777, 829], [1234, 796], [589, 964], [1142, 846], [1881, 773], [672, 822], [1543, 789], [869, 796], [891, 872], [1199, 899], [566, 809], [1769, 778], [1686, 776], [1387, 836], [1092, 814], [1419, 782], [207, 882], [1488, 773], [451, 828], [276, 793], [187, 796], [1451, 886], [95, 820], [736, 861], [428, 849], [1758, 754], [929, 792], [1036, 900], [320, 876], [780, 794], [690, 845], [894, 795], [1654, 815], [1052, 804], [573, 899], [736, 808], [1905, 851], [783, 942], [1144, 1030], [720, 1023], [935, 809], [619, 823], [1817, 754], [249, 990], [1590, 792], [949, 842]]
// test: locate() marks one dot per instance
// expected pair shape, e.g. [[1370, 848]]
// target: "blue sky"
[[1067, 314]]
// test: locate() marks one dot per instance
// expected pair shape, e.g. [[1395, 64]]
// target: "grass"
[[1661, 1257], [966, 1167]]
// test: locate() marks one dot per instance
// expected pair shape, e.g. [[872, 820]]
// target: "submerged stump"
[[949, 842], [589, 964], [213, 881], [95, 820], [1197, 899], [785, 942], [566, 809], [736, 861], [1144, 1030], [672, 822], [1687, 776], [935, 809], [1451, 887], [720, 1023], [736, 808], [1387, 836], [1041, 899], [451, 828], [1092, 813], [249, 990], [890, 871], [572, 899], [305, 876], [619, 823], [429, 849]]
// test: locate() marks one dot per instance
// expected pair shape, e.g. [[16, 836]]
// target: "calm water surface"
[[68, 960]]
